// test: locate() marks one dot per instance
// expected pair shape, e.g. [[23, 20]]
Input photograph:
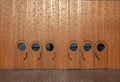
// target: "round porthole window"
[[35, 47], [49, 47], [100, 47], [73, 47], [21, 46], [87, 46]]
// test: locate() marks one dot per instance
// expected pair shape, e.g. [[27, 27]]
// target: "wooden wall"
[[61, 22]]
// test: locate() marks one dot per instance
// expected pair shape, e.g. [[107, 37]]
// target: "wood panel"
[[60, 22]]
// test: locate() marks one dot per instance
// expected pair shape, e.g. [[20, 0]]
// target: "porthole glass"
[[21, 46], [100, 47], [73, 47], [35, 47], [87, 47], [49, 46]]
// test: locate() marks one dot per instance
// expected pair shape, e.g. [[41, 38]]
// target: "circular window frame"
[[51, 42], [73, 42], [19, 42], [37, 42], [87, 42], [100, 42]]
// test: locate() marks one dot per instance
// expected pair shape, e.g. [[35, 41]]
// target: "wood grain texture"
[[61, 22]]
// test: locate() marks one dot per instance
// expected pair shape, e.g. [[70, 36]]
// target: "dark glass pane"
[[35, 47], [100, 47], [21, 46], [49, 46], [87, 47], [73, 47]]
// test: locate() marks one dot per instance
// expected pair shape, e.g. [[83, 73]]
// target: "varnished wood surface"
[[60, 22], [59, 75]]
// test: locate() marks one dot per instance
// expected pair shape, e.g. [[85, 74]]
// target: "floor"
[[59, 75]]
